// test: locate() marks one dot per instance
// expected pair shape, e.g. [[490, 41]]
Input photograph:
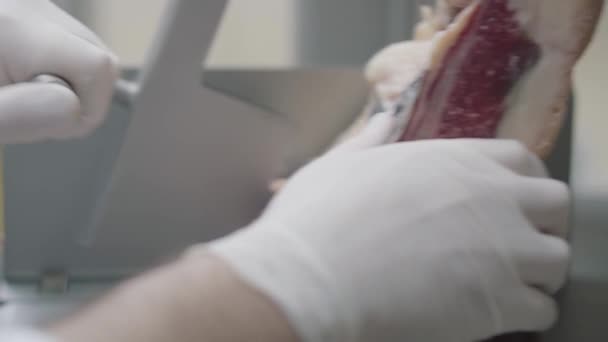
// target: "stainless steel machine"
[[186, 155]]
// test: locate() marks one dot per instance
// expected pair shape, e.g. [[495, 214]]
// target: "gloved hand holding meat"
[[482, 69]]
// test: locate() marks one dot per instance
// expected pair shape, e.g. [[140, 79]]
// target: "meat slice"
[[500, 68], [465, 96]]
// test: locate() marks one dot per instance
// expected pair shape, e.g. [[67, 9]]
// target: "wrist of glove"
[[38, 38], [426, 241], [302, 285]]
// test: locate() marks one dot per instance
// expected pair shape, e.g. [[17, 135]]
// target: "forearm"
[[194, 299]]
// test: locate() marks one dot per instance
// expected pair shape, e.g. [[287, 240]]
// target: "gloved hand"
[[36, 37], [427, 241]]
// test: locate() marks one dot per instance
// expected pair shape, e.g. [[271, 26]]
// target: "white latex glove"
[[425, 241], [37, 37]]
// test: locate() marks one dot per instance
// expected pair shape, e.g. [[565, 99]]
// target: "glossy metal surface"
[[188, 160]]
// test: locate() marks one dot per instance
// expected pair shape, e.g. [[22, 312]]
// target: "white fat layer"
[[533, 106], [555, 24], [396, 67]]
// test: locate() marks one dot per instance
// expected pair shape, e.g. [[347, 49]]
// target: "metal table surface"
[[24, 305]]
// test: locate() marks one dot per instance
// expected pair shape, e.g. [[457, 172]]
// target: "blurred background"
[[269, 33], [254, 33], [290, 33]]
